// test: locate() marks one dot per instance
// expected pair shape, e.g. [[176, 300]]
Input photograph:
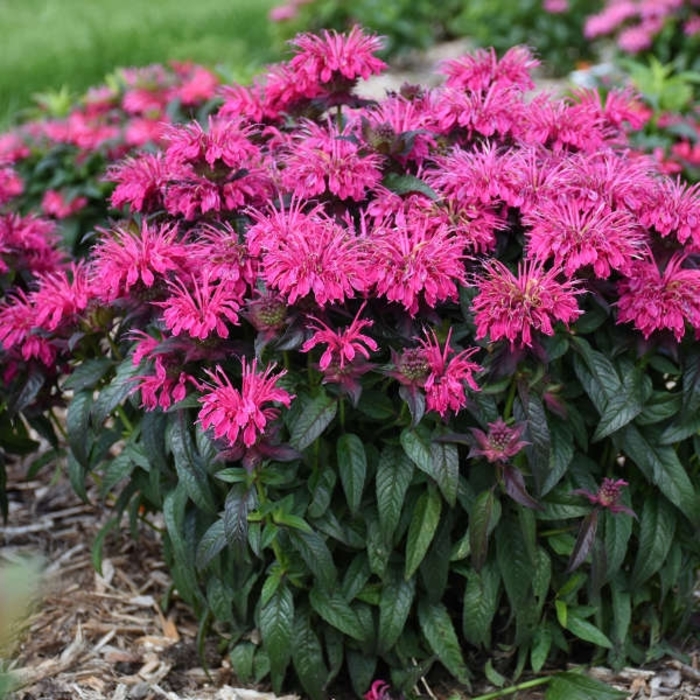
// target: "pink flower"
[[126, 259], [55, 204], [330, 56], [500, 444], [323, 158], [28, 243], [379, 690], [577, 235], [11, 184], [342, 346], [19, 332], [61, 296], [140, 182], [234, 414], [415, 260], [450, 372], [512, 307], [673, 207], [201, 306], [166, 385], [608, 496], [555, 7], [654, 300], [307, 253]]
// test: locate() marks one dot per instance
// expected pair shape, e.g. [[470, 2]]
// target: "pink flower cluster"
[[303, 219]]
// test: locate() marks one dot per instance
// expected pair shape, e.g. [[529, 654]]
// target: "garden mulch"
[[104, 636]]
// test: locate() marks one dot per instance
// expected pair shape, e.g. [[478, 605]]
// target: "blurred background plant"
[[49, 44]]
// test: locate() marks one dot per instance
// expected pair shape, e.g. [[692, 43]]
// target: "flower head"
[[500, 444], [242, 414], [608, 496], [512, 307]]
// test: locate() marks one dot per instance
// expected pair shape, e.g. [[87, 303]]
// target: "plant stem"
[[513, 689]]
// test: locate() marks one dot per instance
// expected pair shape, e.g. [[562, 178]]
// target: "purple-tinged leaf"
[[584, 541], [514, 483]]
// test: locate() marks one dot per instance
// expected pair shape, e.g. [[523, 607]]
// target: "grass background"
[[51, 44]]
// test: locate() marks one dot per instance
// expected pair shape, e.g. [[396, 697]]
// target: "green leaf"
[[683, 427], [541, 646], [213, 541], [240, 500], [568, 685], [316, 555], [660, 464], [516, 567], [183, 554], [658, 525], [88, 373], [242, 657], [361, 668], [315, 416], [276, 625], [333, 608], [394, 475], [98, 543], [190, 471], [116, 392], [621, 407], [404, 184], [438, 630], [307, 657], [394, 607], [421, 529], [586, 631], [618, 531], [530, 409], [438, 460], [481, 596], [483, 518], [78, 426], [352, 467]]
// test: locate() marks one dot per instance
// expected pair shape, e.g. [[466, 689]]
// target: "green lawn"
[[48, 44]]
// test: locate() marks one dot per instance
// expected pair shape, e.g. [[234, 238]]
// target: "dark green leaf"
[[394, 475], [276, 625], [315, 416], [352, 467], [87, 374], [569, 685], [480, 603], [78, 426], [541, 645], [421, 529], [213, 541], [361, 668], [658, 525], [30, 389], [116, 392], [333, 608], [618, 530], [683, 427], [438, 630], [403, 184], [240, 500], [483, 518], [530, 409], [394, 606], [307, 657], [622, 406], [315, 553], [174, 516]]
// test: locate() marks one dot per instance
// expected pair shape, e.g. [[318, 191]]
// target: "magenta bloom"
[[244, 414], [654, 300], [324, 159], [126, 258], [165, 386], [342, 346], [511, 307], [500, 444], [307, 253], [57, 205], [140, 182], [577, 235], [449, 374], [608, 496], [331, 56], [379, 690], [202, 306], [61, 296]]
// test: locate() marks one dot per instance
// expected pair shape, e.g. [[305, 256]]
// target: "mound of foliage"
[[414, 382]]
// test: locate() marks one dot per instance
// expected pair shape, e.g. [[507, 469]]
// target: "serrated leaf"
[[621, 407], [333, 608], [404, 184], [352, 467], [660, 464], [480, 603], [394, 607], [683, 427], [276, 625], [78, 426], [88, 373], [483, 518], [586, 631], [240, 500], [315, 416], [530, 409], [307, 657], [438, 630], [213, 541], [394, 475], [315, 553], [421, 529], [116, 392], [658, 526], [568, 685], [514, 563]]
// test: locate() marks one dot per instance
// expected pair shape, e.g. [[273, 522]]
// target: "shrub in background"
[[413, 382]]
